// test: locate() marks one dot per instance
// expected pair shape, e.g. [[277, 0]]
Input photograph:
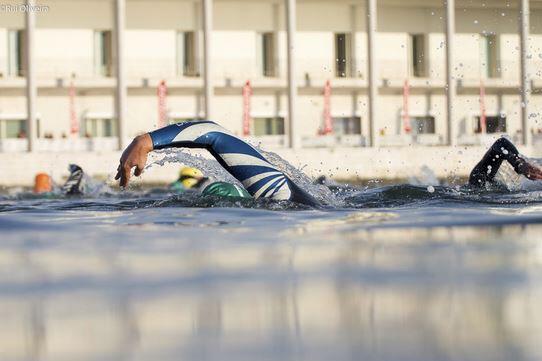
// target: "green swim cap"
[[224, 189]]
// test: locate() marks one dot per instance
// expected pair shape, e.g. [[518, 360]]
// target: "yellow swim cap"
[[190, 176], [190, 172]]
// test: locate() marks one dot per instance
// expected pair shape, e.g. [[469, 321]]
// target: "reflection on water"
[[255, 285]]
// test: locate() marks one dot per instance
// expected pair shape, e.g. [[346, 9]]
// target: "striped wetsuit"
[[260, 178]]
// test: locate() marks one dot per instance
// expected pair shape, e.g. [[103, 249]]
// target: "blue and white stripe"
[[260, 178]]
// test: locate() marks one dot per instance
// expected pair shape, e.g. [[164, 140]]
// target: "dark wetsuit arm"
[[488, 167], [259, 177]]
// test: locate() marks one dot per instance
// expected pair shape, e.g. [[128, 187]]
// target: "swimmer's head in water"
[[43, 183], [74, 168], [190, 177], [223, 189]]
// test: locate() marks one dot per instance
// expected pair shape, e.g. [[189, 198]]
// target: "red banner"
[[74, 124], [406, 115], [328, 126], [162, 104], [247, 93], [483, 126]]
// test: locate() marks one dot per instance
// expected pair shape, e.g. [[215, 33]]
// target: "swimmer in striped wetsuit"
[[486, 170], [259, 177]]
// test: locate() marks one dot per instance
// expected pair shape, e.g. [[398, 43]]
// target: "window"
[[103, 53], [100, 127], [16, 52], [489, 56], [268, 55], [268, 126], [418, 55], [494, 124], [187, 54], [343, 55], [12, 128], [423, 125], [347, 125]]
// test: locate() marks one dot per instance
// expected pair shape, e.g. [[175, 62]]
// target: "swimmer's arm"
[[135, 155], [506, 149], [501, 150], [527, 169]]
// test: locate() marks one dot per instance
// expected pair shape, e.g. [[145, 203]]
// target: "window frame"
[[103, 53], [99, 128], [414, 124], [16, 52], [499, 117], [267, 54], [490, 56], [187, 50], [269, 126], [347, 71], [353, 119], [418, 55]]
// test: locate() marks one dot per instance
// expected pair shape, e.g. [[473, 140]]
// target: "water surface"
[[394, 273]]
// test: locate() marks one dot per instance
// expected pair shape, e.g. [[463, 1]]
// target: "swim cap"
[[42, 183], [190, 172], [190, 177], [223, 189]]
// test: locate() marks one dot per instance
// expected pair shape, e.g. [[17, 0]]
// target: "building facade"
[[77, 47]]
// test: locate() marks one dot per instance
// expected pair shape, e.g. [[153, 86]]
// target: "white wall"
[[62, 53], [150, 53], [163, 15], [64, 45]]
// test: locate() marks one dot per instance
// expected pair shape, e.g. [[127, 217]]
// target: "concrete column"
[[120, 99], [372, 71], [451, 127], [208, 89], [31, 89], [293, 137], [524, 71]]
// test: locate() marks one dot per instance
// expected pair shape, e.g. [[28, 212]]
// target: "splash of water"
[[212, 169], [318, 191], [426, 176]]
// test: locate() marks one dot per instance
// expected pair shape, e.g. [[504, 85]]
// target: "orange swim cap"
[[42, 183]]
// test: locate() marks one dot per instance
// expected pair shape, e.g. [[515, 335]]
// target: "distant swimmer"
[[191, 178], [43, 183], [259, 177], [75, 183], [486, 170]]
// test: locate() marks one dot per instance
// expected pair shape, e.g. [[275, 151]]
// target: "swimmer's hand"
[[135, 155], [530, 171]]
